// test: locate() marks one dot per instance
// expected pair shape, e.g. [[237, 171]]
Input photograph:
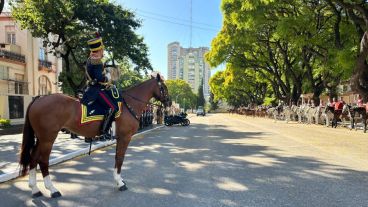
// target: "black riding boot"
[[106, 125]]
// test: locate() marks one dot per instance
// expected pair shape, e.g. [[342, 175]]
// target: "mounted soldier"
[[99, 86]]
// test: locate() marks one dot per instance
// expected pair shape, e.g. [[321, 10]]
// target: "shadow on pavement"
[[196, 166]]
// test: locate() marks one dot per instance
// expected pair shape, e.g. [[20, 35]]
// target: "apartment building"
[[27, 69], [188, 64]]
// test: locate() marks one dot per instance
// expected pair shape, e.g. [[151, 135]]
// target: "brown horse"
[[48, 114]]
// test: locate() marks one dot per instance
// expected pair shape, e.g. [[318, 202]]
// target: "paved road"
[[219, 160]]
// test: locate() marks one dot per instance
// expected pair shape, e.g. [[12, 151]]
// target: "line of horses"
[[351, 116]]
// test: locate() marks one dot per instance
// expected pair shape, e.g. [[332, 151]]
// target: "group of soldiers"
[[149, 115]]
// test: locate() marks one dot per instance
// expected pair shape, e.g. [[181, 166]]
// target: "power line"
[[177, 23], [175, 18]]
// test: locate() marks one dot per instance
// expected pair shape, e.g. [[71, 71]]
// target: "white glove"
[[108, 76]]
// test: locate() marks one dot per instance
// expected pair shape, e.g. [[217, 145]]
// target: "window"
[[3, 73], [19, 86], [42, 54], [11, 38], [44, 86], [16, 105]]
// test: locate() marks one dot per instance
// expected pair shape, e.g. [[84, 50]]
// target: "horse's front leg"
[[122, 143]]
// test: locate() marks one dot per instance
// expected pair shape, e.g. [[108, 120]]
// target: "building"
[[188, 64], [26, 70]]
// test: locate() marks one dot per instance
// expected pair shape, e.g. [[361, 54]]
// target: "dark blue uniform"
[[96, 90]]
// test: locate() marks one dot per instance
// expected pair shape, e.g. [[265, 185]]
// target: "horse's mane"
[[122, 91]]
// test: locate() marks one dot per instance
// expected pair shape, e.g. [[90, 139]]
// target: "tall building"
[[188, 64], [26, 69]]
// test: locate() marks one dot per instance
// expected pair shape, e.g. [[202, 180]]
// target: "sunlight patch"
[[73, 171], [149, 163], [151, 148], [191, 166], [160, 191], [179, 150], [257, 160], [187, 195], [230, 185]]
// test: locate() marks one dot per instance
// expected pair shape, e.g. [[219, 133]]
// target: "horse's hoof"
[[56, 194], [123, 188], [36, 195]]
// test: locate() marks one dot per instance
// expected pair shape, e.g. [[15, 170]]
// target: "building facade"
[[188, 64], [27, 69]]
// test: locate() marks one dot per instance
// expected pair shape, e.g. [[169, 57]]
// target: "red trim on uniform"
[[107, 101]]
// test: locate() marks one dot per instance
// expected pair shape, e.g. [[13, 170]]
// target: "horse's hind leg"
[[45, 150], [32, 182]]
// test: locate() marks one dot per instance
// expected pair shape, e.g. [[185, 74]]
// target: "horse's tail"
[[27, 144]]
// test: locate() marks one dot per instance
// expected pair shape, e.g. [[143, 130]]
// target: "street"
[[219, 160]]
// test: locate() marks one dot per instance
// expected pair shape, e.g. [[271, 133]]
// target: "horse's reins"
[[131, 110]]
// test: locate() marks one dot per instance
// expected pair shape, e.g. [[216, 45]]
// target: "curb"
[[15, 174]]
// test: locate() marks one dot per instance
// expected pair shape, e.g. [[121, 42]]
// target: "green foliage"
[[181, 92], [288, 47], [200, 97], [212, 102], [66, 25], [5, 123]]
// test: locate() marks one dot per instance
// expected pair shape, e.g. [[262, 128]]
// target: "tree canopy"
[[66, 25], [289, 47], [181, 92]]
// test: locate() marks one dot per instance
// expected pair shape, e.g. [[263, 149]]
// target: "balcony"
[[44, 65], [12, 56]]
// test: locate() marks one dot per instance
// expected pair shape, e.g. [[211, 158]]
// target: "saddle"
[[95, 111]]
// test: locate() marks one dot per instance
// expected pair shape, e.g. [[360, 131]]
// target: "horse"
[[329, 114], [352, 111], [46, 115]]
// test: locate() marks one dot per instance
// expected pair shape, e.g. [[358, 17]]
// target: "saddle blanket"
[[96, 112]]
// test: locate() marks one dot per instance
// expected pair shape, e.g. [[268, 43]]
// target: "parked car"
[[201, 112]]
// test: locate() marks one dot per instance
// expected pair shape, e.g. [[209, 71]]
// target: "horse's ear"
[[158, 77]]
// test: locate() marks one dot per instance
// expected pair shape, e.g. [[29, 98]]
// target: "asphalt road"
[[219, 160]]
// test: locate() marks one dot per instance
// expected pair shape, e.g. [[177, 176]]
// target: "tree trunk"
[[2, 2], [359, 81]]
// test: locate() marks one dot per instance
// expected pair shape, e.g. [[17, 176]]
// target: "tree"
[[213, 103], [357, 12], [200, 97], [296, 46], [181, 92], [65, 31], [2, 3]]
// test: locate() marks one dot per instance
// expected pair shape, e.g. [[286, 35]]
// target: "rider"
[[340, 104], [359, 101], [98, 84], [333, 103]]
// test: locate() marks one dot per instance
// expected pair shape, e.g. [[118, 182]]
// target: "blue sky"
[[165, 21]]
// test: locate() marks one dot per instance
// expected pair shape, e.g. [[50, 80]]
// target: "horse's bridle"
[[164, 96], [163, 93]]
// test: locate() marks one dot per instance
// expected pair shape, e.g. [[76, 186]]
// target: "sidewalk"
[[63, 149]]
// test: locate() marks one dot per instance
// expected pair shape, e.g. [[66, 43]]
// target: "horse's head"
[[161, 93]]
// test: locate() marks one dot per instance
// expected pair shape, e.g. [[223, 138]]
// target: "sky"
[[166, 21]]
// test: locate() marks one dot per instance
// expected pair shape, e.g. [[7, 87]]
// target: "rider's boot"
[[106, 125]]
